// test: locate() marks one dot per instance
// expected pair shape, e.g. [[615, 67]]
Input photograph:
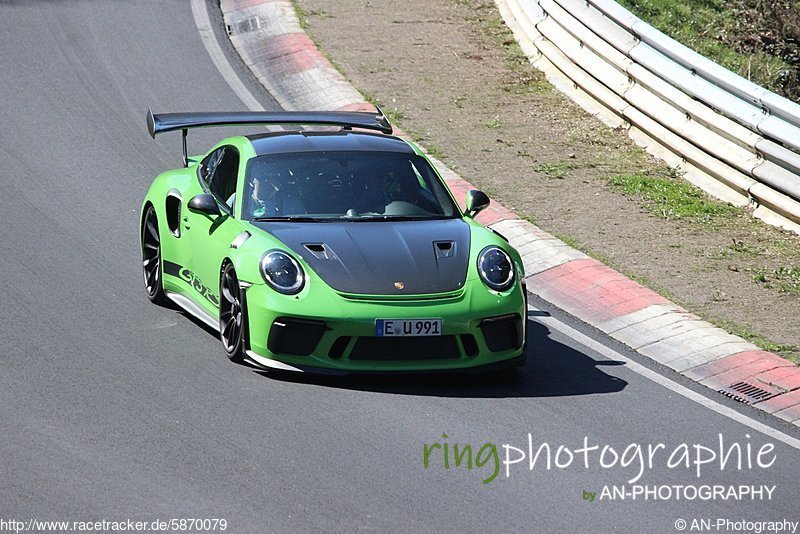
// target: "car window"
[[219, 172], [209, 164], [352, 185]]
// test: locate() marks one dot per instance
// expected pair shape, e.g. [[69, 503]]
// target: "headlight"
[[496, 268], [282, 272]]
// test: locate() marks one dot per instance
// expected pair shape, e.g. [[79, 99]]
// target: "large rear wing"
[[168, 122]]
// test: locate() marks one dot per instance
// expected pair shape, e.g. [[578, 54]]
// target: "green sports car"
[[330, 245]]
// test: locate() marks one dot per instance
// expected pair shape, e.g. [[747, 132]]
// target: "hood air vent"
[[320, 250], [444, 249]]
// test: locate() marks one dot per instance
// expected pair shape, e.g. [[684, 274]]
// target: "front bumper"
[[335, 333]]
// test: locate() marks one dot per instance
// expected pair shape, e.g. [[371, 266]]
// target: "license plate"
[[408, 327]]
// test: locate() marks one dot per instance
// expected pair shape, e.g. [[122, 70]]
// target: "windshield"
[[344, 185]]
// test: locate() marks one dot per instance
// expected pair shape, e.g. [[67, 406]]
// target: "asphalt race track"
[[114, 409]]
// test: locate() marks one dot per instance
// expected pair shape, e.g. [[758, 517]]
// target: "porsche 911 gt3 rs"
[[329, 246]]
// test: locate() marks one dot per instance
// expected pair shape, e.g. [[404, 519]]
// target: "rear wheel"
[[232, 314], [151, 258]]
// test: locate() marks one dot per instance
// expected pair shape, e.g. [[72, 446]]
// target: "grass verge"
[[669, 198], [758, 40]]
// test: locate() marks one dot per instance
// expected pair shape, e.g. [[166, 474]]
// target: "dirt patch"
[[451, 75]]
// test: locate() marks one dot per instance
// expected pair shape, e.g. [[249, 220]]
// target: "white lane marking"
[[203, 23], [730, 413]]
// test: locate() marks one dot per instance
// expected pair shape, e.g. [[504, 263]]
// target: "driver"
[[406, 188], [374, 196], [275, 194]]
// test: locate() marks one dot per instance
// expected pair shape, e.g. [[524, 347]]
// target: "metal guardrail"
[[735, 139]]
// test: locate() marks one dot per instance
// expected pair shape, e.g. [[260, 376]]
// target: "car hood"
[[381, 257]]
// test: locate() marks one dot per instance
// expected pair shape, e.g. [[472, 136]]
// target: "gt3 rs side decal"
[[172, 269], [178, 271]]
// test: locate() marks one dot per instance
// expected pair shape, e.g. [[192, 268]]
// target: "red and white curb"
[[268, 36]]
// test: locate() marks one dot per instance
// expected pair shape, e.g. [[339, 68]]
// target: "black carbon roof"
[[317, 141]]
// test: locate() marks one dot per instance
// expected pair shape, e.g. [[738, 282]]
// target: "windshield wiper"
[[373, 218], [290, 218]]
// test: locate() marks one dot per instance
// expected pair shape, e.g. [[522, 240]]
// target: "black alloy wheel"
[[232, 317], [151, 258]]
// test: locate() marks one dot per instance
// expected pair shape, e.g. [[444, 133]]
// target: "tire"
[[151, 258], [232, 315]]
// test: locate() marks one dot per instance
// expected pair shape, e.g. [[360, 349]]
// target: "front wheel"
[[151, 258], [232, 315]]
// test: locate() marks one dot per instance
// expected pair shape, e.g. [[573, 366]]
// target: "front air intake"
[[502, 333], [298, 337], [405, 348]]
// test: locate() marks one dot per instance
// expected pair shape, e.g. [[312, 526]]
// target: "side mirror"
[[477, 201], [204, 203]]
